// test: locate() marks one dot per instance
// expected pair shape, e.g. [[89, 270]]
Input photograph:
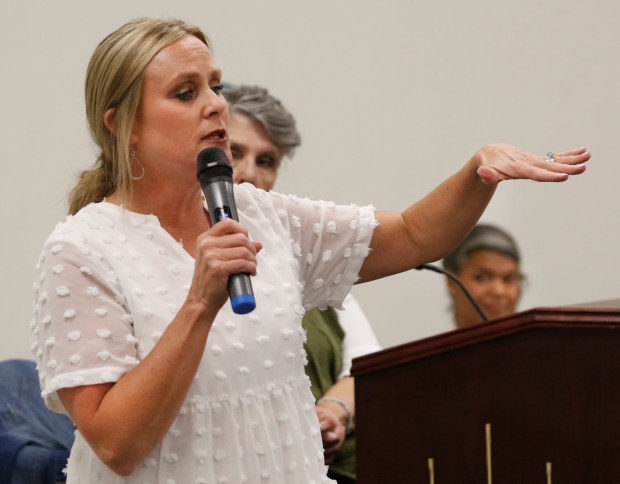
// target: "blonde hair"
[[114, 81]]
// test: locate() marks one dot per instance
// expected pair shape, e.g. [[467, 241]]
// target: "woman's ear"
[[108, 120]]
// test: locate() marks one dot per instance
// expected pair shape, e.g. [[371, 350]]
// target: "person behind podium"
[[488, 263], [132, 328], [263, 132]]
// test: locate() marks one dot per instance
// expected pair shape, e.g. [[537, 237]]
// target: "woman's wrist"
[[345, 413], [480, 170]]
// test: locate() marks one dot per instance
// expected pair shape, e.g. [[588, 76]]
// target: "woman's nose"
[[214, 104], [244, 171], [498, 286]]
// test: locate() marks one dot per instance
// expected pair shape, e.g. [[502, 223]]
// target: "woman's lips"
[[217, 135]]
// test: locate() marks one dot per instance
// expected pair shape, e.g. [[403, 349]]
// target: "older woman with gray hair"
[[256, 115], [488, 264]]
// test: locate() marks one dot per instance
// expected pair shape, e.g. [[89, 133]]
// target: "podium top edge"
[[599, 314]]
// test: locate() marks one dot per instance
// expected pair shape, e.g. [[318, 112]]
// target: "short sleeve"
[[82, 333], [330, 243]]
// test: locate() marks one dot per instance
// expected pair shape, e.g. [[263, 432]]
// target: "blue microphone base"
[[243, 304]]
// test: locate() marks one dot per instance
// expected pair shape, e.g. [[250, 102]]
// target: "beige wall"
[[391, 97]]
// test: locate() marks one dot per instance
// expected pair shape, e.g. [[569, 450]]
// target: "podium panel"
[[533, 398]]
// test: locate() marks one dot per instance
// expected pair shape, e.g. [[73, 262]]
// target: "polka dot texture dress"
[[109, 283]]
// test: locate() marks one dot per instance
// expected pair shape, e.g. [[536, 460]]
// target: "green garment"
[[324, 349]]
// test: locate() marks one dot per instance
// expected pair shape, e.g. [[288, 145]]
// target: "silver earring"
[[132, 154]]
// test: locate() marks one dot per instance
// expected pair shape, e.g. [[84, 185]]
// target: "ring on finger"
[[551, 157]]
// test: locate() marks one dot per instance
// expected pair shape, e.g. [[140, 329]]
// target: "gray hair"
[[259, 105], [482, 237]]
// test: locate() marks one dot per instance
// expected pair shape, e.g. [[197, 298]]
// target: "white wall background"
[[391, 97]]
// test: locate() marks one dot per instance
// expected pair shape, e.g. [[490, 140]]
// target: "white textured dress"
[[109, 283]]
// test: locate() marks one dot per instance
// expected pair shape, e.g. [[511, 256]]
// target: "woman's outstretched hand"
[[498, 162]]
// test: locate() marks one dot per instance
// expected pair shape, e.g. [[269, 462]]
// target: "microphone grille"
[[212, 162]]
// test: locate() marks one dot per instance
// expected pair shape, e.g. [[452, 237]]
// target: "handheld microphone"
[[471, 299], [215, 177]]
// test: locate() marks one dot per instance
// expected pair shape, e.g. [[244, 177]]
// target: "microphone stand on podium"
[[470, 298]]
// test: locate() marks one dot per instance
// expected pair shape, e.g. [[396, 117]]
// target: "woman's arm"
[[434, 225], [125, 420]]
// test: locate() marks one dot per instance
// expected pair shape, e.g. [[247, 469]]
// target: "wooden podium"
[[532, 398]]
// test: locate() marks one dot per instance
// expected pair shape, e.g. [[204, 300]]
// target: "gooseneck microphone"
[[471, 299], [215, 177]]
